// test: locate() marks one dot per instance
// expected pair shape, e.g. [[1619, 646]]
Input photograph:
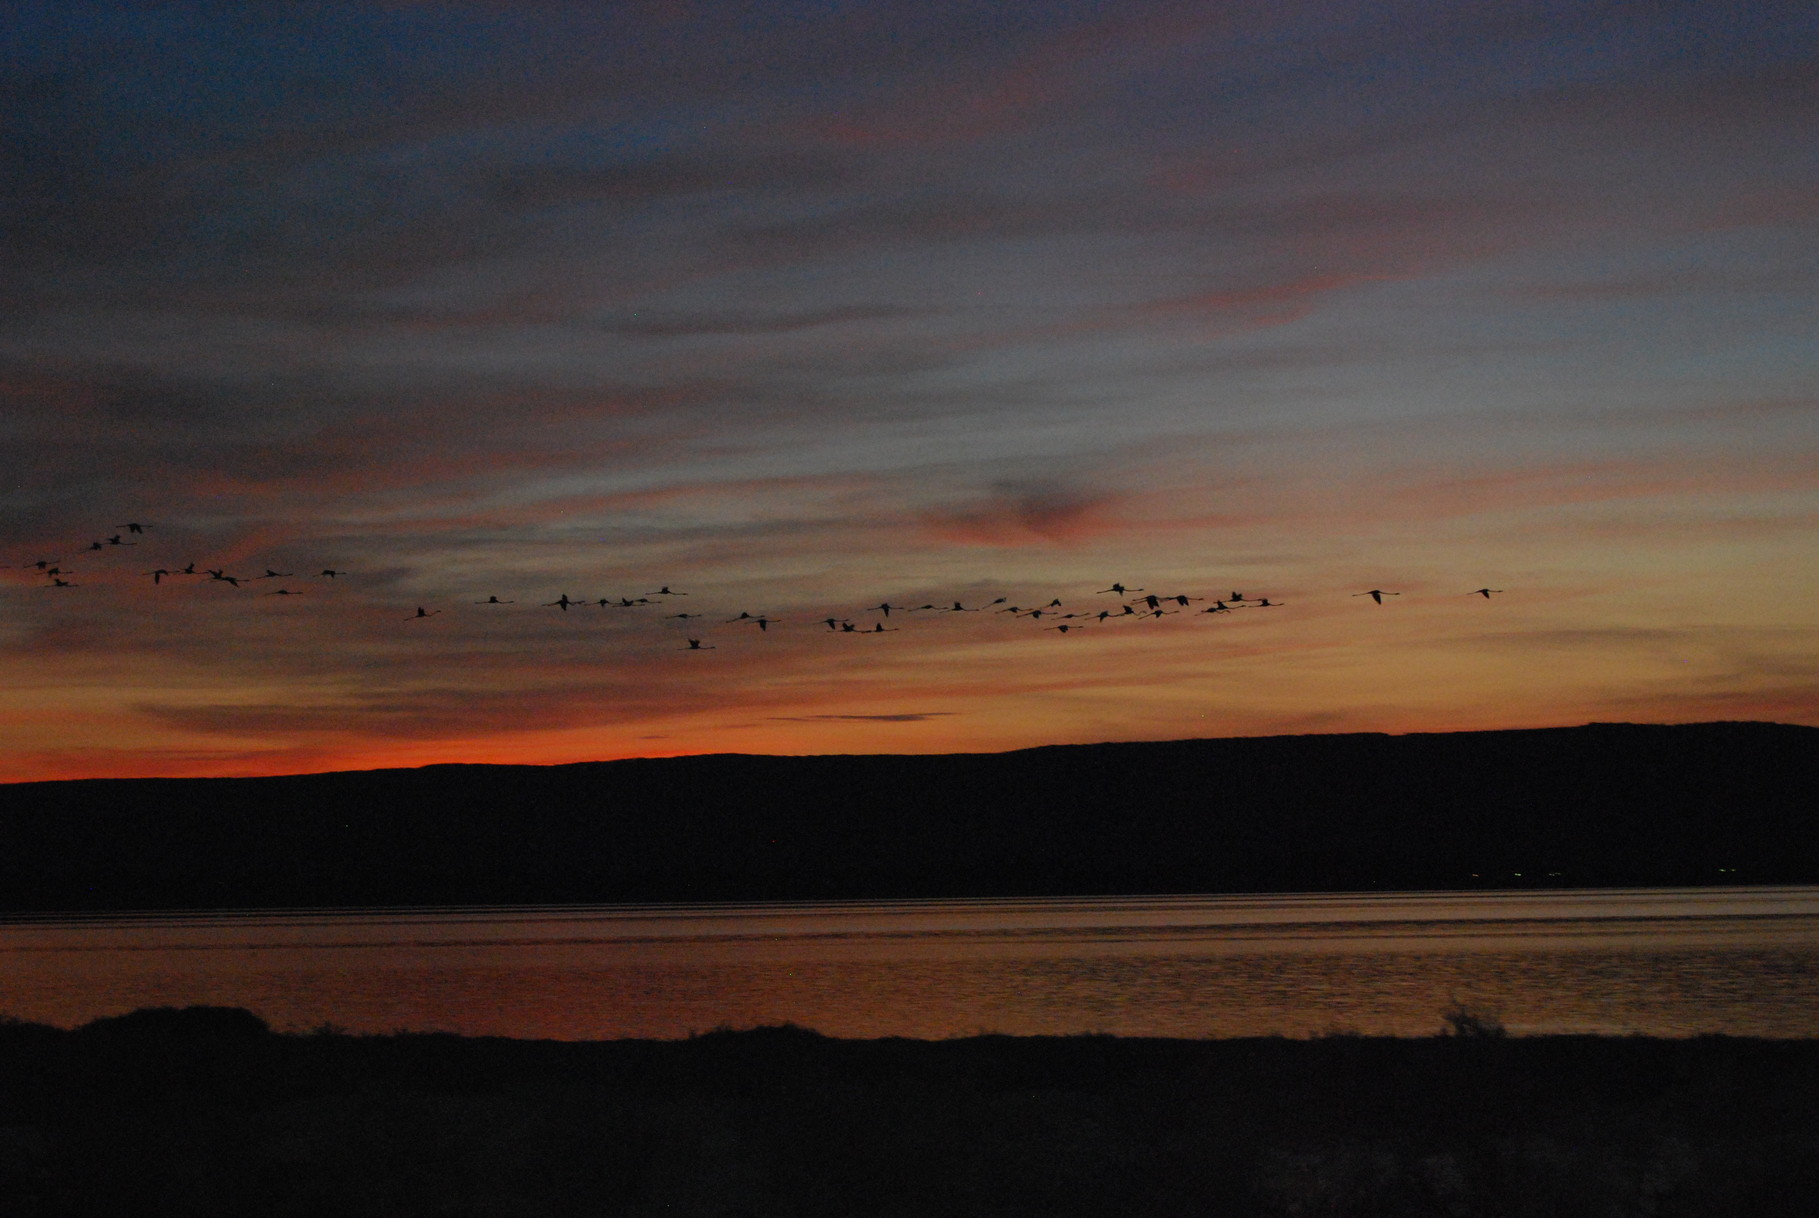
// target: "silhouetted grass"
[[205, 1111]]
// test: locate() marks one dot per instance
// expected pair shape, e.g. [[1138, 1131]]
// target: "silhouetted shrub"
[[179, 1025], [1466, 1023]]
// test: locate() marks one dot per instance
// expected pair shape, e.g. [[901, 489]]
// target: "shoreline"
[[206, 1111]]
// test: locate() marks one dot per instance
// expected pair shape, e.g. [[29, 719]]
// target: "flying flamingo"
[[493, 600], [1377, 594], [422, 613], [1484, 592], [695, 645], [562, 602]]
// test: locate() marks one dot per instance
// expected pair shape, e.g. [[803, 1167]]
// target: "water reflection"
[[1742, 961]]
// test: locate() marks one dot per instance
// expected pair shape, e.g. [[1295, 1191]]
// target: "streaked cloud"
[[804, 310]]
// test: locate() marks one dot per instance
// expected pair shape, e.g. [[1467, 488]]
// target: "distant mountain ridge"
[[1602, 804]]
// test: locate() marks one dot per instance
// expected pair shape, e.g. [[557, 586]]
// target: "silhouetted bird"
[[493, 600], [833, 623], [1120, 589], [1153, 601], [115, 541], [329, 573], [271, 574], [284, 592], [1377, 594], [61, 583], [216, 576], [1063, 627], [133, 528], [884, 608], [1267, 603], [41, 564], [664, 591], [157, 576], [422, 613], [562, 602], [695, 645], [880, 628], [1484, 592], [957, 607]]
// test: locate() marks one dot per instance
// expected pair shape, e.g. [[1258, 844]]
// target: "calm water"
[[1662, 962]]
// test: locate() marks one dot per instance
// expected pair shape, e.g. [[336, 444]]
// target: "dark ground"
[[206, 1112], [1600, 805]]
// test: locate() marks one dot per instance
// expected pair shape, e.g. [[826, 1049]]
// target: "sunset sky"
[[798, 308]]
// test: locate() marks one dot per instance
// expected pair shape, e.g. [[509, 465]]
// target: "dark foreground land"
[[1604, 804], [205, 1112]]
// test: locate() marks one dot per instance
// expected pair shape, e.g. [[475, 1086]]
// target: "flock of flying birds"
[[1134, 604]]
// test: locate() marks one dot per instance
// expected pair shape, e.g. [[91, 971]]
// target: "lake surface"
[[1742, 961]]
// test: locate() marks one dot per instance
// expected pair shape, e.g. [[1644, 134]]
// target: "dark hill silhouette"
[[1604, 804]]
